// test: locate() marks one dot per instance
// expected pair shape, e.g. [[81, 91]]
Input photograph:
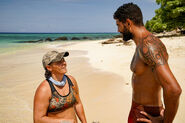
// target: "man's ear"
[[48, 67], [129, 24]]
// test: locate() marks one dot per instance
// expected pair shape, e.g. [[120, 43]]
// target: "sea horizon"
[[13, 41]]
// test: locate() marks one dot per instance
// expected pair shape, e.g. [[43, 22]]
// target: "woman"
[[57, 98]]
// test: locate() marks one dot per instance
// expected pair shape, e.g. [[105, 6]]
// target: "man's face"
[[127, 35]]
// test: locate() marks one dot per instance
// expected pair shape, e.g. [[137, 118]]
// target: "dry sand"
[[102, 72]]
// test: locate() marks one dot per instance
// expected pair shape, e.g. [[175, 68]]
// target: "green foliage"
[[170, 16], [155, 25]]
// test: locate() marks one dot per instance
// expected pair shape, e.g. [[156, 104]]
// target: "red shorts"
[[136, 108]]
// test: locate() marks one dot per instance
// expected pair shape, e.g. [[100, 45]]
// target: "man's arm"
[[41, 102], [154, 55], [78, 106], [171, 91]]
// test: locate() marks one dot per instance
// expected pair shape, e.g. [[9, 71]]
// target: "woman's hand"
[[152, 119]]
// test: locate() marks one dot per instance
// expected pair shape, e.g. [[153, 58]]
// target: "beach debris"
[[183, 32], [113, 40], [118, 40], [173, 33]]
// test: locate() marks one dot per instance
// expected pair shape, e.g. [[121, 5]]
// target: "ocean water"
[[12, 42]]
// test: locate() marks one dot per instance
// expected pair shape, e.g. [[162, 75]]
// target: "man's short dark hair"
[[129, 11]]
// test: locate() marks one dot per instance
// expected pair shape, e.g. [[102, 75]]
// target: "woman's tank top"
[[59, 102]]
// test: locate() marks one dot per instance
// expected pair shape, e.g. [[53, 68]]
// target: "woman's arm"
[[41, 103], [78, 106]]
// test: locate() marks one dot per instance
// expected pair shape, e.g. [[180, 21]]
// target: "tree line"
[[170, 16]]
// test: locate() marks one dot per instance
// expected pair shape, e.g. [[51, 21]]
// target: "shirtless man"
[[150, 68]]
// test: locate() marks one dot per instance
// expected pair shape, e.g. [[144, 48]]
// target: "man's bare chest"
[[137, 66]]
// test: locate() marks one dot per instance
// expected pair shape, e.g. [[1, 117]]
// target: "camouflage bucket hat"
[[53, 56]]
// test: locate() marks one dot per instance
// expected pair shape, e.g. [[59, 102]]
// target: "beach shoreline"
[[101, 70]]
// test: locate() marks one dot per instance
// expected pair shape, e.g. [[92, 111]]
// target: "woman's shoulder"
[[43, 87], [42, 94]]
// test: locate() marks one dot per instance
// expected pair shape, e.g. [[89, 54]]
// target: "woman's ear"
[[48, 68]]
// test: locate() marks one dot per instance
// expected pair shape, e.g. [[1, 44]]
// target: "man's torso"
[[146, 86]]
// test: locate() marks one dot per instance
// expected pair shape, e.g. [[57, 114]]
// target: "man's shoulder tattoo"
[[153, 51]]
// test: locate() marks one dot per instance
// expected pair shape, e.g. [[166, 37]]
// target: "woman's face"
[[58, 67]]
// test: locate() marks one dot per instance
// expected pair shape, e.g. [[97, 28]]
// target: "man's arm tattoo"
[[153, 51]]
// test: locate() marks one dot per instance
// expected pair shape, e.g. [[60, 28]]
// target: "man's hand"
[[152, 119]]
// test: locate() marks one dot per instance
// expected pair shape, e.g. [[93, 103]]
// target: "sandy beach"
[[101, 70]]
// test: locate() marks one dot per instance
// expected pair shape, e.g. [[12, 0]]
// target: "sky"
[[65, 15]]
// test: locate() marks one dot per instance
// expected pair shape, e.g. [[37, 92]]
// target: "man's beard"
[[127, 35]]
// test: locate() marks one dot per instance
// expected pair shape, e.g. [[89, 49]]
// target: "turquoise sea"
[[16, 41]]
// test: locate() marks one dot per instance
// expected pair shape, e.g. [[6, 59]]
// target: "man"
[[150, 70]]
